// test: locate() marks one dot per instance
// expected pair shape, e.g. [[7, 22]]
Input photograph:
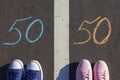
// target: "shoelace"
[[85, 75], [102, 76], [13, 74], [31, 75]]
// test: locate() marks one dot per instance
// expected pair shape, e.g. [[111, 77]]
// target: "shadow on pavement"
[[3, 71], [72, 70], [69, 71], [64, 73]]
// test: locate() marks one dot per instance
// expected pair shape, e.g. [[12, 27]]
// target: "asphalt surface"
[[81, 10], [42, 49]]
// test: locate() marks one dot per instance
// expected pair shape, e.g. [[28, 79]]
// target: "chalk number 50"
[[95, 31], [13, 28]]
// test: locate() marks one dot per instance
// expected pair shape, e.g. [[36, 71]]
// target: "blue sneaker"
[[15, 70], [34, 71]]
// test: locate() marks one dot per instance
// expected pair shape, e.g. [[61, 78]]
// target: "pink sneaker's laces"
[[102, 76], [85, 75]]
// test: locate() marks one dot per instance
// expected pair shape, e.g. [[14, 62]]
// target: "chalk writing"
[[29, 27], [13, 28], [95, 31]]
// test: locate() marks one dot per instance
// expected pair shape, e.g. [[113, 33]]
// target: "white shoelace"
[[85, 75], [102, 76]]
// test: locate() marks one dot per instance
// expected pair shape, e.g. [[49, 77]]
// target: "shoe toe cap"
[[34, 65], [101, 66], [84, 65], [16, 64]]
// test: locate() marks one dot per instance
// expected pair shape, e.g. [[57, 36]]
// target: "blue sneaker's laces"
[[13, 74], [31, 75]]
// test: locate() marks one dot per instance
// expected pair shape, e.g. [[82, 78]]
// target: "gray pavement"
[[42, 49], [81, 10]]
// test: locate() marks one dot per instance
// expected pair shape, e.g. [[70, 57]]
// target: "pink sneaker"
[[84, 70], [101, 71]]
